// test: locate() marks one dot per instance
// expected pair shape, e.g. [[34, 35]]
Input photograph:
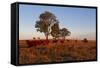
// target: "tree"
[[45, 22], [64, 32], [55, 30], [85, 40]]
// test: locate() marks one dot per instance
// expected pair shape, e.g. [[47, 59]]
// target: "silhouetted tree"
[[64, 32], [45, 22]]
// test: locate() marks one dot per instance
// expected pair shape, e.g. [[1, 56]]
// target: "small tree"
[[85, 40], [64, 32]]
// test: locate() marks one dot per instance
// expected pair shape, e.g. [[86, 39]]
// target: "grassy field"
[[69, 50]]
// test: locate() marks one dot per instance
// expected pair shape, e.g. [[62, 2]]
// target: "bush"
[[85, 40]]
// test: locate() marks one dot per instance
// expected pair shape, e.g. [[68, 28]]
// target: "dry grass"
[[57, 52]]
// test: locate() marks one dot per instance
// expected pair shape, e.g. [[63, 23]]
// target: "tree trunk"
[[46, 35], [64, 38], [46, 39]]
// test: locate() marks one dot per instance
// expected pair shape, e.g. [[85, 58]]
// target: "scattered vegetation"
[[69, 51]]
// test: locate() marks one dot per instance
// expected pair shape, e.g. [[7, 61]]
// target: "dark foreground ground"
[[57, 51]]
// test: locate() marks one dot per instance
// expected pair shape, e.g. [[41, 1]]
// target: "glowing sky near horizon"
[[80, 21]]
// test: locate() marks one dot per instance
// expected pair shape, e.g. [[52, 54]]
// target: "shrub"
[[85, 40]]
